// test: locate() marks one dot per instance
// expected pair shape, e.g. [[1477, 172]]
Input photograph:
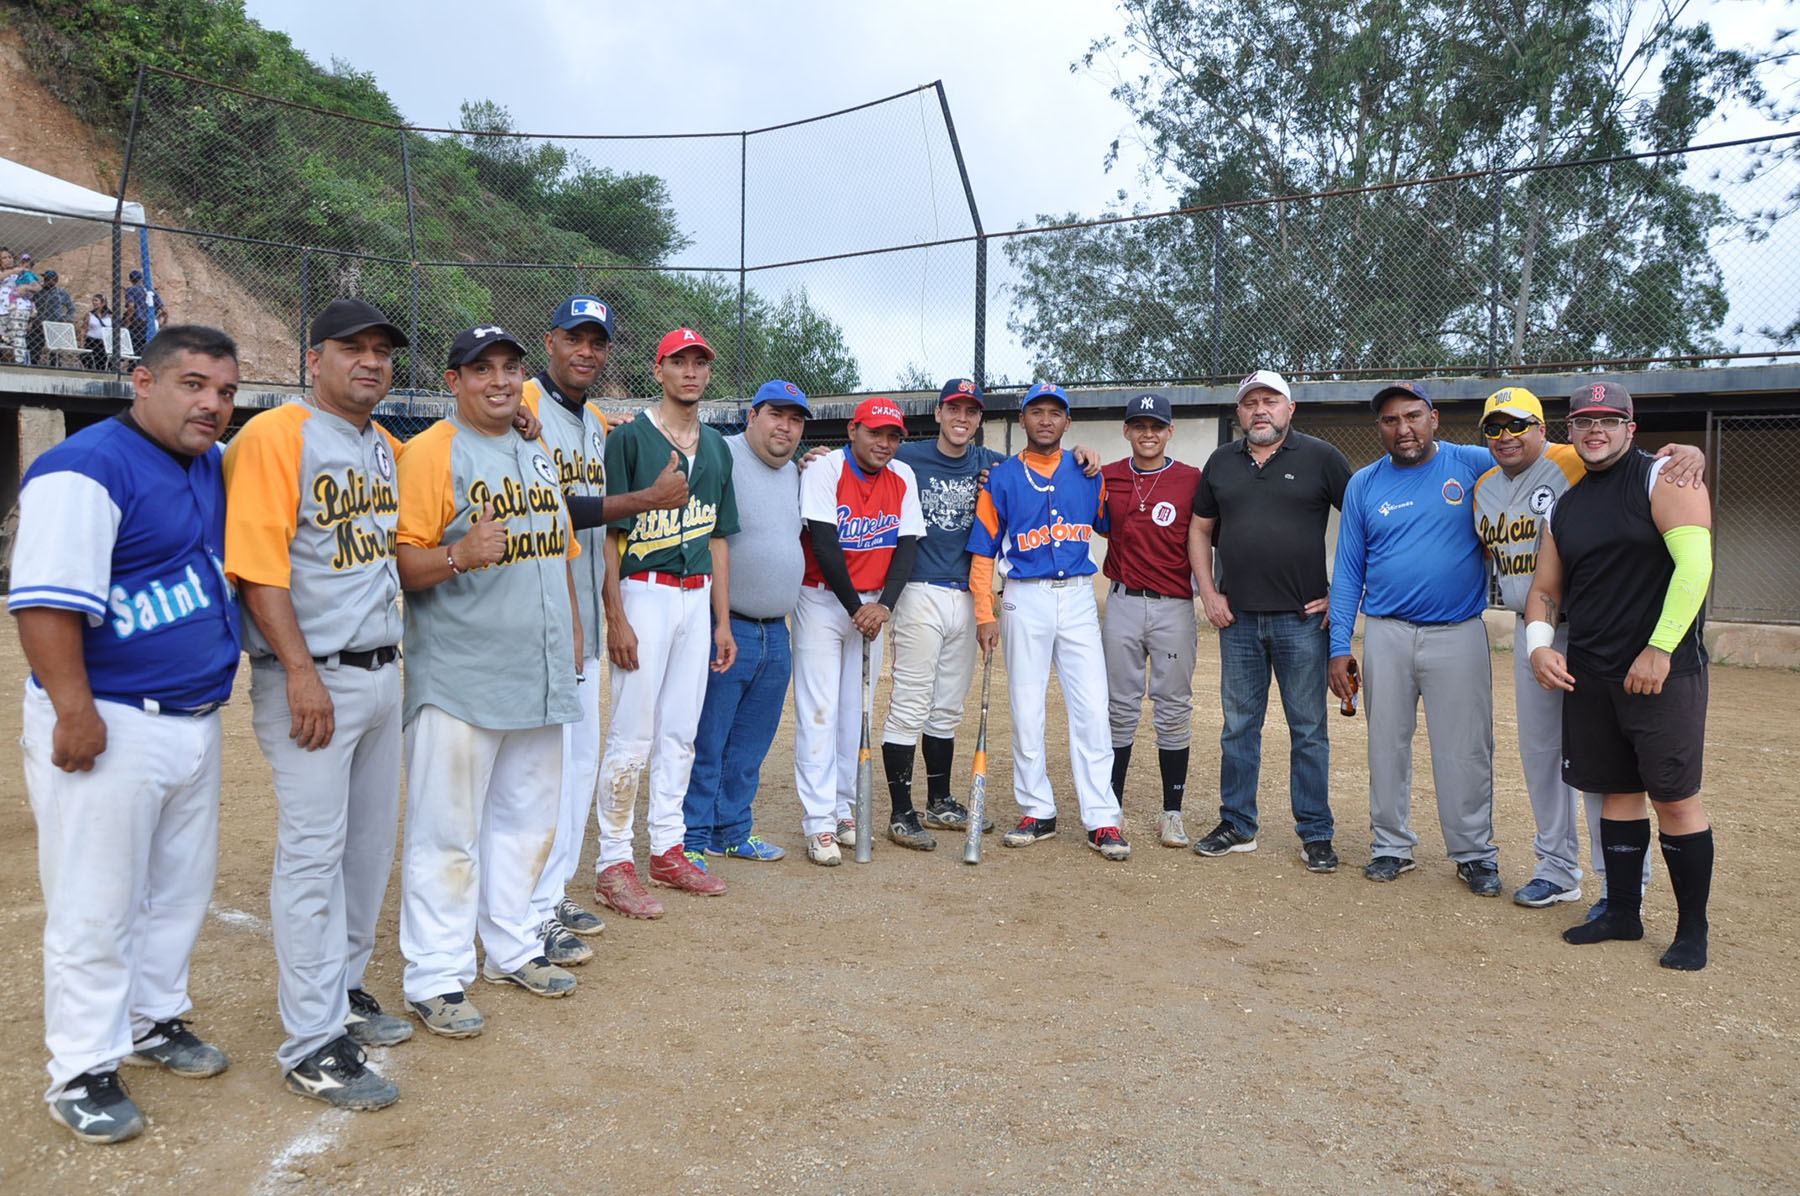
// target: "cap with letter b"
[[1601, 398]]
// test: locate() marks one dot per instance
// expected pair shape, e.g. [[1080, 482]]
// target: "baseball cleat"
[[1223, 840], [676, 869], [577, 920], [170, 1044], [335, 1074], [560, 947], [948, 814], [371, 1027], [1319, 856], [1539, 893], [907, 832], [1109, 843], [1170, 830], [96, 1108], [754, 847], [822, 849], [1387, 867], [1030, 830], [537, 976], [1482, 877], [846, 832], [619, 888], [451, 1015]]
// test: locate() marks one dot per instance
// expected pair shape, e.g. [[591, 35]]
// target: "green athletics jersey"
[[677, 542]]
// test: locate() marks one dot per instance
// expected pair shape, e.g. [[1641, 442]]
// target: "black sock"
[[1624, 843], [1121, 765], [897, 760], [1174, 765], [1690, 861], [939, 755]]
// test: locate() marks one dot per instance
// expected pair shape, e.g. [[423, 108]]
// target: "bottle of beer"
[[1348, 709]]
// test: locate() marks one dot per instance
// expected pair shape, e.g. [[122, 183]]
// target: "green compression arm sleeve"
[[1692, 549]]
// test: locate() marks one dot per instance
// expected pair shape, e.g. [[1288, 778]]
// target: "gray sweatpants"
[[1447, 666], [334, 845], [1149, 639]]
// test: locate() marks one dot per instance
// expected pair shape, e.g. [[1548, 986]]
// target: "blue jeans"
[[737, 724], [1296, 648]]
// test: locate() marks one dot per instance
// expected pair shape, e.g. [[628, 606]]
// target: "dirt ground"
[[1045, 1022]]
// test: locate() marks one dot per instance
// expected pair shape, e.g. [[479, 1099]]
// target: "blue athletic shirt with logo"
[[113, 526], [1407, 547], [947, 489]]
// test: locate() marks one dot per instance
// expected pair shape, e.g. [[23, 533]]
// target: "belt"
[[1055, 583], [374, 658], [152, 706], [675, 580], [951, 585], [1129, 592], [754, 619]]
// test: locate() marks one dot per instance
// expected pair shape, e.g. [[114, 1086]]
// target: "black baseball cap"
[[471, 343], [1601, 398], [1149, 405], [1411, 390], [344, 318]]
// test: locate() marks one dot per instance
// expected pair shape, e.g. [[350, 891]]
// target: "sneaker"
[[172, 1045], [1319, 856], [561, 947], [1109, 843], [907, 832], [948, 814], [336, 1075], [1540, 893], [537, 976], [1170, 830], [754, 847], [576, 920], [1482, 877], [96, 1108], [1596, 911], [678, 869], [1388, 867], [618, 887], [451, 1015], [1223, 840], [822, 849], [1030, 830], [371, 1027], [846, 832]]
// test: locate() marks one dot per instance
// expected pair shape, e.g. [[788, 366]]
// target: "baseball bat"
[[978, 787], [865, 773]]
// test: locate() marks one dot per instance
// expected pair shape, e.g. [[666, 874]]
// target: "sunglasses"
[[1512, 427]]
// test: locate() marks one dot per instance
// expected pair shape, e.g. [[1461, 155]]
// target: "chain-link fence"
[[1756, 532]]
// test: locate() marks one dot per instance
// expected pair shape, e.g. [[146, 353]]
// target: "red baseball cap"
[[682, 338], [879, 413]]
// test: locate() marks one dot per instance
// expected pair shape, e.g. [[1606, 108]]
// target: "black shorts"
[[1615, 742]]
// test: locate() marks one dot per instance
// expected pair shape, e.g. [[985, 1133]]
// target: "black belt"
[[1129, 592], [951, 585], [754, 619], [152, 706], [374, 658]]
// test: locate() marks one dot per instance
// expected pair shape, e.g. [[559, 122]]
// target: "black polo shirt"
[[1269, 544]]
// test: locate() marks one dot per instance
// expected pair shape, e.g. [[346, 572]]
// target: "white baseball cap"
[[1265, 380]]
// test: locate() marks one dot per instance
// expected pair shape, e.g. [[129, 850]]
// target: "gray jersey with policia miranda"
[[1510, 514], [495, 646]]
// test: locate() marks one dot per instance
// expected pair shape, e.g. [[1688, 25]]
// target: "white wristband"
[[1538, 635]]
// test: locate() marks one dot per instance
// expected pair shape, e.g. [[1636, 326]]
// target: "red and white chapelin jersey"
[[871, 510]]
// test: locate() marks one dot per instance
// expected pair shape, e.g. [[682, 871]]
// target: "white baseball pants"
[[127, 853], [580, 776], [480, 818], [828, 701], [934, 662]]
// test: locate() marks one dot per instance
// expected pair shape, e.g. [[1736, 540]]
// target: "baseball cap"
[[344, 318], [1149, 406], [682, 338], [136, 276], [961, 388], [577, 310], [1264, 380], [51, 276], [24, 257], [1045, 390], [783, 394], [1601, 398], [1513, 400], [471, 343], [1411, 390], [879, 413]]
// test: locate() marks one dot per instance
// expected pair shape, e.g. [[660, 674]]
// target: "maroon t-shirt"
[[1150, 513]]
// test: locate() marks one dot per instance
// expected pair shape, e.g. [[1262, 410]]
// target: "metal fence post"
[[1493, 355], [118, 292], [743, 276], [412, 254], [1218, 287], [979, 372], [305, 303]]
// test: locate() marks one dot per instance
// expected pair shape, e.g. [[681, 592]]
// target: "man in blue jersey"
[[1408, 557], [119, 589]]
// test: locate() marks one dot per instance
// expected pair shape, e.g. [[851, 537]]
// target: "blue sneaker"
[[754, 847], [696, 858], [1541, 893], [1596, 911]]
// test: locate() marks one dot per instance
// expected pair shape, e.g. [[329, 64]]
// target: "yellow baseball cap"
[[1514, 400]]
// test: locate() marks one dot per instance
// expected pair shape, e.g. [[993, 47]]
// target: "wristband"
[[1538, 635], [455, 569]]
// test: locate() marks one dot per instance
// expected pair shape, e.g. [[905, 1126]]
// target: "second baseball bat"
[[978, 788], [865, 772]]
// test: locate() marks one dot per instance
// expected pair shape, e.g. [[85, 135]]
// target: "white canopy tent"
[[42, 215]]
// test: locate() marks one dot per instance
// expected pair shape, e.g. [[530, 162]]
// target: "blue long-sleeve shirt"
[[1407, 547]]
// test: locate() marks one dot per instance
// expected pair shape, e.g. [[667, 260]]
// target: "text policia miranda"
[[515, 499], [341, 503], [1522, 529]]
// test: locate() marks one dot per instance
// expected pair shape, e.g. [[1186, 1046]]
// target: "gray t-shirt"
[[766, 558]]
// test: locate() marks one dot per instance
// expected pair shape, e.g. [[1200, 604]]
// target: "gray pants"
[[1153, 639], [334, 846], [1447, 666]]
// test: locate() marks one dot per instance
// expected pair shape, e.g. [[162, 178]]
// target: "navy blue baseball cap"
[[1411, 390], [961, 388], [577, 310], [782, 394], [471, 343], [1149, 405], [1045, 390]]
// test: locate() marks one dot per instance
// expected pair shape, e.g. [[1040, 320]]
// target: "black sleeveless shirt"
[[1616, 571]]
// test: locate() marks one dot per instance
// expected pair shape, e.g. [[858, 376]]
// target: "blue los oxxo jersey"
[[1042, 513], [113, 527]]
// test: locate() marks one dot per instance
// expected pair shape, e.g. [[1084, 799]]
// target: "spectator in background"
[[54, 305], [99, 334], [140, 303]]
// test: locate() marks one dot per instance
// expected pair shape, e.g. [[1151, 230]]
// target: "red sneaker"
[[674, 870], [620, 888]]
